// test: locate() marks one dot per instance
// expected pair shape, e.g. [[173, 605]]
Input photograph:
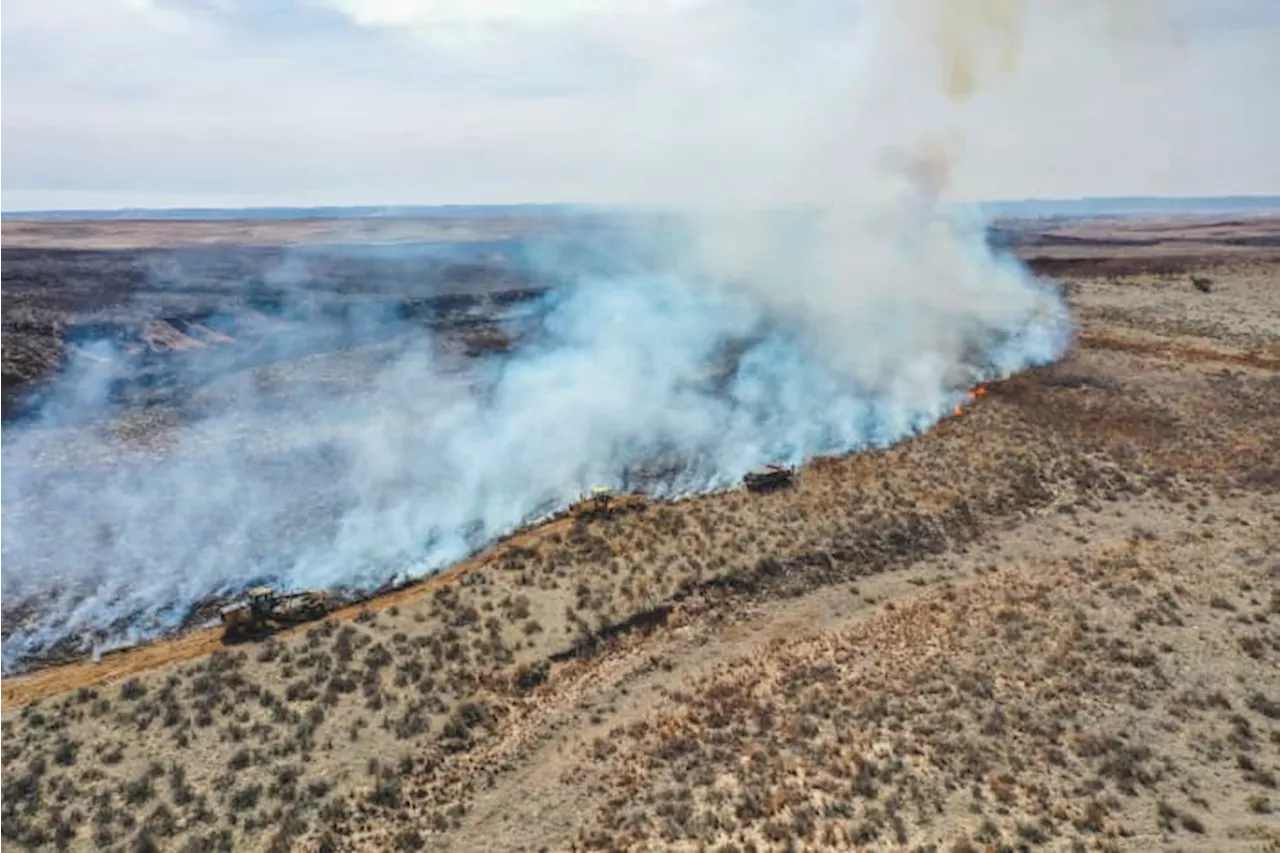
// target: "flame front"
[[976, 394]]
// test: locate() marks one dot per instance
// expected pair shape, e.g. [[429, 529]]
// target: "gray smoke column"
[[706, 348]]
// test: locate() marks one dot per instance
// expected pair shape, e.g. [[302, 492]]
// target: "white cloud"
[[156, 15], [397, 101], [429, 13]]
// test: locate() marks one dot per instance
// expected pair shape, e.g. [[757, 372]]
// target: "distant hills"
[[1132, 206], [1027, 208], [470, 211]]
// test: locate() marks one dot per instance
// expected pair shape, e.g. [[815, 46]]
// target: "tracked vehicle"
[[263, 611], [598, 504], [602, 502], [769, 478]]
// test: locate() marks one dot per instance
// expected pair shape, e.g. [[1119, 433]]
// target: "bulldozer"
[[769, 478], [263, 611], [602, 502], [597, 504]]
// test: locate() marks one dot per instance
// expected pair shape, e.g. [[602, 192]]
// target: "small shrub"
[[144, 843], [1263, 705], [529, 676], [1191, 823], [246, 798], [386, 793], [160, 822], [178, 788], [132, 690], [409, 839], [65, 752], [138, 791]]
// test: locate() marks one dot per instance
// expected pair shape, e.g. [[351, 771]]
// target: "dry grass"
[[1052, 620], [1020, 708]]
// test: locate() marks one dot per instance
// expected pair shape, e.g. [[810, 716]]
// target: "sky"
[[178, 103]]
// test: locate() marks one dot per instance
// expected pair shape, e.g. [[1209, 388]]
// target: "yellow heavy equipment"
[[597, 504]]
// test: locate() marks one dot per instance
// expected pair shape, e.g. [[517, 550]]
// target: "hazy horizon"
[[186, 104], [1085, 206]]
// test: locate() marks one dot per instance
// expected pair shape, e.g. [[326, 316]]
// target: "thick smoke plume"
[[673, 356]]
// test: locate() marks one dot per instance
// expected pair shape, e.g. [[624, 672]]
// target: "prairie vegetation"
[[1052, 621]]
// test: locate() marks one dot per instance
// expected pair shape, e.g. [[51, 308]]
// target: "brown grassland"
[[1052, 621]]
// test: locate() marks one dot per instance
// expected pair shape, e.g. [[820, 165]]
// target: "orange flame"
[[976, 394]]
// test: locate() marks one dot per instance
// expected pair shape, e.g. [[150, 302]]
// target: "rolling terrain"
[[1053, 620]]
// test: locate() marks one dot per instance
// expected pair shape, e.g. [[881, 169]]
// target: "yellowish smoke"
[[976, 40]]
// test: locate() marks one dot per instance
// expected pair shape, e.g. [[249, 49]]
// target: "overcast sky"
[[110, 103]]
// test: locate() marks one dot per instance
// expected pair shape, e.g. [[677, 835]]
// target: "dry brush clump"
[[983, 715], [251, 748]]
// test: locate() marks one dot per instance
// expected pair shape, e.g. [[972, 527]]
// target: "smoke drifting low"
[[671, 358]]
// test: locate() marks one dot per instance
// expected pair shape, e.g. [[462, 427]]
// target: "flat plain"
[[1052, 621]]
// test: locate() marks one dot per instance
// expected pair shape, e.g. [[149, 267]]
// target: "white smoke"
[[723, 342]]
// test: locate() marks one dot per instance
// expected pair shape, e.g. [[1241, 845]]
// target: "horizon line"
[[1250, 200]]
